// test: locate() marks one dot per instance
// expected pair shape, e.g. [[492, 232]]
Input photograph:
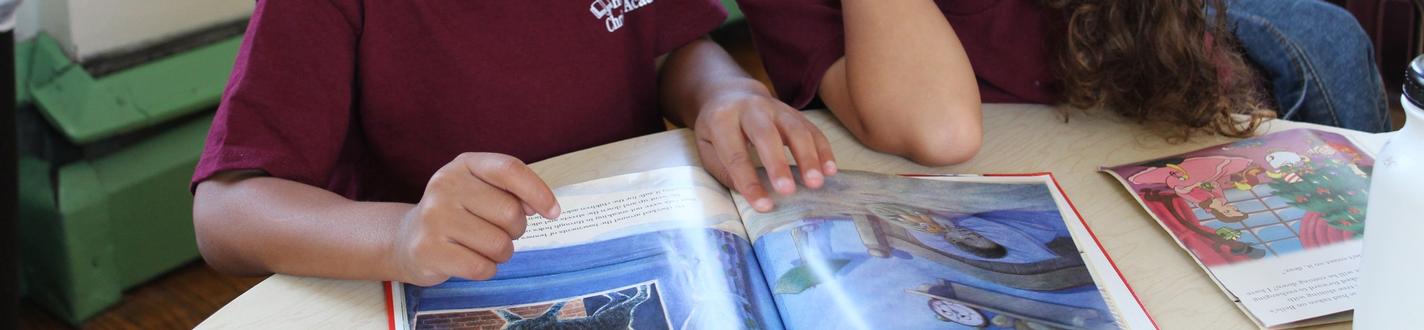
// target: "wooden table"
[[1018, 139]]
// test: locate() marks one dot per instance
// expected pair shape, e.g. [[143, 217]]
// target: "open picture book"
[[673, 249], [1275, 220]]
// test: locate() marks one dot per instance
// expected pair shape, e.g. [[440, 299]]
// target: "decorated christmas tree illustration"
[[1335, 189]]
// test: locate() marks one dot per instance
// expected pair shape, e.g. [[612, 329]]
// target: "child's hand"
[[472, 210], [724, 129]]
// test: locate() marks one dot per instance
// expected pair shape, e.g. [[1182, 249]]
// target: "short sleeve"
[[798, 40], [681, 21], [288, 103]]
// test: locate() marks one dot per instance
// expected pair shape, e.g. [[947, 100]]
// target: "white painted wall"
[[27, 20], [88, 28], [54, 20]]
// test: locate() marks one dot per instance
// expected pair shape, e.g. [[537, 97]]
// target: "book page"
[[662, 249], [876, 251], [1276, 220], [675, 197]]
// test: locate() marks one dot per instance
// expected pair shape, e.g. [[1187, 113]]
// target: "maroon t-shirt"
[[800, 39], [369, 98]]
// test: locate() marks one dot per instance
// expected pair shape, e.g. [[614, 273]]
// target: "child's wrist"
[[389, 258]]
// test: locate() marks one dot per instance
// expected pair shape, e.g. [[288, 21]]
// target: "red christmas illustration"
[[1202, 182], [1257, 198]]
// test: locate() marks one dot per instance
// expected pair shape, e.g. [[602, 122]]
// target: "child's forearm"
[[261, 225], [698, 73], [905, 84], [702, 87], [464, 226]]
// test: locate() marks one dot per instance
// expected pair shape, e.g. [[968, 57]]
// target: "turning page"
[[662, 249], [875, 251]]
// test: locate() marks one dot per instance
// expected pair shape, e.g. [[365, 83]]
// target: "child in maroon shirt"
[[898, 74], [387, 139], [908, 77]]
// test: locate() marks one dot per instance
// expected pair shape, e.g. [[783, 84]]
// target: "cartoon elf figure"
[[1286, 166]]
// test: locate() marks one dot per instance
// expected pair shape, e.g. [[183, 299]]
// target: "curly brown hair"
[[1167, 64]]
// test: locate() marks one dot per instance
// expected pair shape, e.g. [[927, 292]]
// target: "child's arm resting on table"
[[472, 209], [905, 85], [702, 87]]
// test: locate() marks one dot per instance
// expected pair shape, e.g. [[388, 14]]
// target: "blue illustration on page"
[[670, 279]]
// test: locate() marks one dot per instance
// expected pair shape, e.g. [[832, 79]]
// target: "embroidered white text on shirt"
[[611, 11]]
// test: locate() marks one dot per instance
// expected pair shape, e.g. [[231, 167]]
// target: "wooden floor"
[[178, 300]]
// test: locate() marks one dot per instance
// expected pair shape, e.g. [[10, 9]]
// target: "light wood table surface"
[[1018, 139]]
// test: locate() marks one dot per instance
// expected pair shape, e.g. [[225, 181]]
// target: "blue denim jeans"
[[1317, 60]]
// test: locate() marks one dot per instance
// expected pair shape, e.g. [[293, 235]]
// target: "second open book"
[[673, 249], [1276, 221]]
